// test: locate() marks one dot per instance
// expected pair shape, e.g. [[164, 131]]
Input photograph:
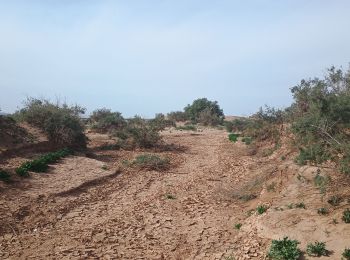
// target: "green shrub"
[[344, 164], [151, 162], [104, 120], [323, 211], [177, 116], [316, 249], [38, 165], [321, 182], [138, 132], [204, 111], [261, 209], [159, 122], [238, 226], [346, 254], [170, 197], [239, 124], [346, 216], [247, 140], [284, 249], [334, 200], [228, 126], [290, 206], [61, 123], [259, 130], [5, 176], [271, 187], [233, 137], [300, 205], [208, 118], [23, 172], [312, 153], [41, 164], [270, 115], [320, 119]]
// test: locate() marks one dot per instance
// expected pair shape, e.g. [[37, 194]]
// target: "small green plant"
[[233, 137], [346, 216], [323, 211], [300, 205], [238, 226], [321, 182], [334, 200], [247, 140], [104, 167], [271, 187], [346, 254], [285, 249], [290, 206], [5, 176], [151, 162], [261, 209], [170, 197], [23, 172], [283, 158], [317, 249]]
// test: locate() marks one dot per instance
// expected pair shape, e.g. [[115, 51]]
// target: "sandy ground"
[[82, 210]]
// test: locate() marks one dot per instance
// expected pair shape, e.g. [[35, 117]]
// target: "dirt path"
[[186, 213]]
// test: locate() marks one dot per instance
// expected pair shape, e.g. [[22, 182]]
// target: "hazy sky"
[[149, 56]]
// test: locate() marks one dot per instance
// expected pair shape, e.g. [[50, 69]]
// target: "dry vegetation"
[[176, 186]]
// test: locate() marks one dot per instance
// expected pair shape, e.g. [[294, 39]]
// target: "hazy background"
[[143, 57]]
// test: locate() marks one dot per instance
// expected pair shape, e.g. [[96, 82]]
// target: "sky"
[[146, 57]]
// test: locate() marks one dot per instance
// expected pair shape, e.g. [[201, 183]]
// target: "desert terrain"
[[92, 205]]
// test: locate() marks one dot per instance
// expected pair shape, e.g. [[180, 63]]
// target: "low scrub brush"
[[317, 249], [42, 163], [346, 254], [233, 137], [151, 162], [284, 249]]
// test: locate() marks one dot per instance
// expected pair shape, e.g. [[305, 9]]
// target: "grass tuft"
[[151, 162], [261, 209]]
